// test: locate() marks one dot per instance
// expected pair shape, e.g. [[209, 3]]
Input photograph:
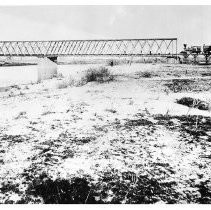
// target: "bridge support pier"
[[46, 69], [54, 59], [207, 58], [195, 59]]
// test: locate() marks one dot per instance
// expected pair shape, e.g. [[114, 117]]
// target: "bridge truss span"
[[107, 47]]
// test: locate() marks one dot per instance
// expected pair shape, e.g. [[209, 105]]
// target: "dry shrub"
[[100, 74], [60, 191], [193, 103], [146, 74], [69, 82]]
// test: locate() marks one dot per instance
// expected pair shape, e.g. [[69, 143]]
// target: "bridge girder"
[[110, 47]]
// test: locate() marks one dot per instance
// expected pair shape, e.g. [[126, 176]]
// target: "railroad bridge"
[[157, 47]]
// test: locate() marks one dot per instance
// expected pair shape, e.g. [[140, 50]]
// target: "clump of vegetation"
[[111, 110], [69, 82], [13, 139], [197, 126], [146, 74], [9, 187], [112, 187], [130, 188], [47, 113], [113, 62], [138, 122], [191, 85], [100, 74], [205, 74], [179, 85], [60, 191], [21, 115], [205, 192], [193, 103]]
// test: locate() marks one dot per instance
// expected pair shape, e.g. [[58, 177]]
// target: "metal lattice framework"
[[115, 47]]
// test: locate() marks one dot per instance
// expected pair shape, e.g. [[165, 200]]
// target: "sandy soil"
[[121, 137]]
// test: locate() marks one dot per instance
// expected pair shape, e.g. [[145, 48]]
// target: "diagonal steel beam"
[[90, 47]]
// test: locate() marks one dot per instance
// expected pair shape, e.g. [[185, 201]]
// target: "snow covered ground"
[[132, 124]]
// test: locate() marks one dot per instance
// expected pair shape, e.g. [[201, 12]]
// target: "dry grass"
[[100, 74], [70, 82], [146, 74], [112, 188]]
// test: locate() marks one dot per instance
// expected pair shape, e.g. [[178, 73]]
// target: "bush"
[[101, 74], [146, 74], [61, 191], [194, 103]]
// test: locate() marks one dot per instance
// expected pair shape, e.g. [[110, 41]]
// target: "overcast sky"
[[190, 24]]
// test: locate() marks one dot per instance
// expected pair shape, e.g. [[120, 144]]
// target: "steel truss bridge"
[[164, 47]]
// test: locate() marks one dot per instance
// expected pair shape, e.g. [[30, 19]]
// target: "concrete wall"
[[16, 75], [46, 69]]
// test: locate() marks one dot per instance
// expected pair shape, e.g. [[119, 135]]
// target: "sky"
[[190, 24]]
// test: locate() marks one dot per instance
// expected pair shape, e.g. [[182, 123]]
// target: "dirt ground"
[[123, 141]]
